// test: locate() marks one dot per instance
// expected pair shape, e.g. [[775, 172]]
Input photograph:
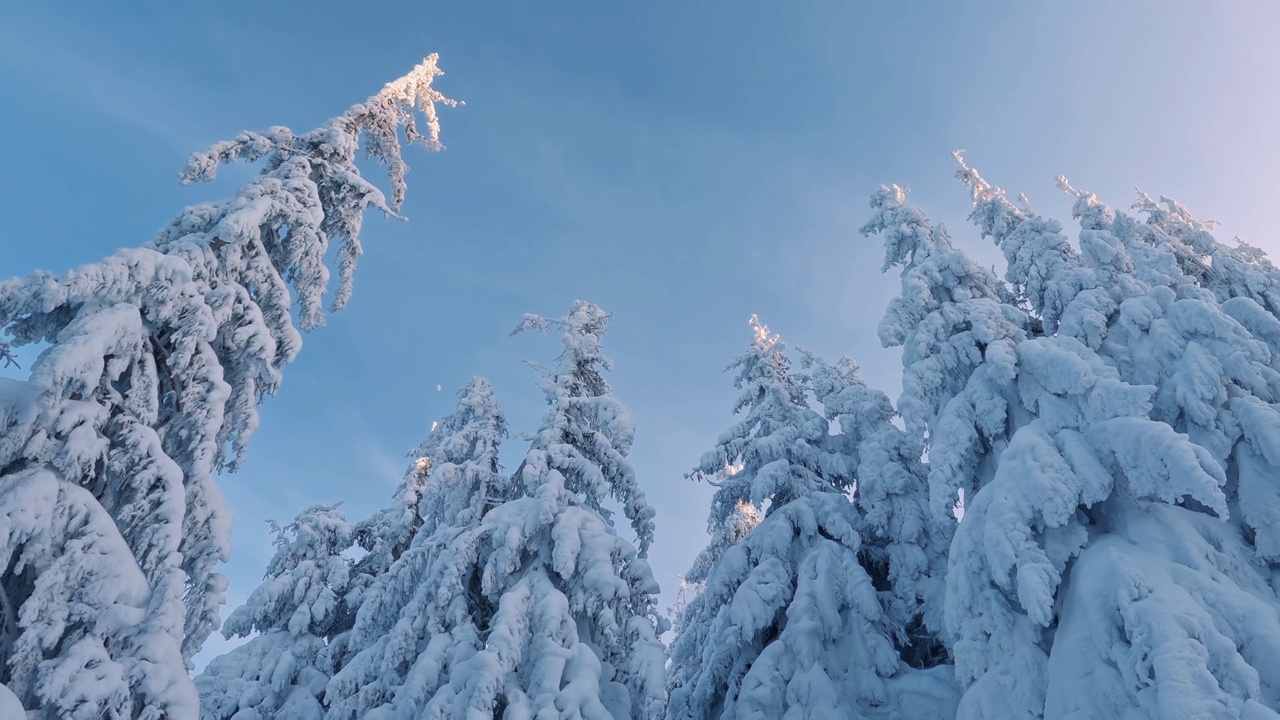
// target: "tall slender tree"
[[790, 623], [957, 325], [901, 549], [156, 359], [416, 620]]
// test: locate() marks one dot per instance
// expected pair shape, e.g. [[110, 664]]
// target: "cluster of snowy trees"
[[476, 593], [1073, 511]]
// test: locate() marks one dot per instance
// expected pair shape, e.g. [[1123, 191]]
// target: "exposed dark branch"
[[162, 361], [10, 618]]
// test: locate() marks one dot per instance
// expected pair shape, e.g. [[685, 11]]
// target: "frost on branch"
[[156, 360]]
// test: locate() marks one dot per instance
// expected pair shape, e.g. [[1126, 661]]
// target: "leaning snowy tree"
[[790, 622], [1112, 418], [155, 358]]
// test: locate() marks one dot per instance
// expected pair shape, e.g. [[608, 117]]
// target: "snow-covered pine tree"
[[1024, 524], [773, 448], [1192, 327], [789, 623], [410, 628], [1027, 467], [724, 535], [518, 597], [378, 542], [957, 325], [567, 606], [1097, 571], [297, 612], [900, 546], [386, 535], [156, 359]]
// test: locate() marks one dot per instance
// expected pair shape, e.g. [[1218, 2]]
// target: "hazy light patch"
[[140, 99]]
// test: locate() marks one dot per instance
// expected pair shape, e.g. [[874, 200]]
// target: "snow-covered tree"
[[299, 609], [724, 535], [775, 451], [1193, 328], [400, 628], [957, 325], [386, 535], [154, 362], [900, 547], [72, 578], [461, 454], [1108, 563], [790, 623], [523, 600]]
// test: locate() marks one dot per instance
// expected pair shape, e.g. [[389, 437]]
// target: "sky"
[[683, 165]]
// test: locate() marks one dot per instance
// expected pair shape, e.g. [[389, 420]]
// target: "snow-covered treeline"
[[1105, 414], [1072, 510], [481, 593]]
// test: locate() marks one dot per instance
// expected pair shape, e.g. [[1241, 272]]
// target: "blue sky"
[[683, 165]]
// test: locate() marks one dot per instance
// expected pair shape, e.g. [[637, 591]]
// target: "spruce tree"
[[412, 623], [295, 615], [901, 548], [519, 596], [1105, 564], [790, 623]]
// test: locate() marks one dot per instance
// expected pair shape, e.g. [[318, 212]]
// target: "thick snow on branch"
[[1117, 445]]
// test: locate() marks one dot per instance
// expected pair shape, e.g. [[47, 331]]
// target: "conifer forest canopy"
[[1072, 510]]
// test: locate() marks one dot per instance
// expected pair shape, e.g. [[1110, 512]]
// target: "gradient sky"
[[683, 165]]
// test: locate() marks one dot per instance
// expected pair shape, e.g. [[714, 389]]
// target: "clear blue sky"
[[681, 164]]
